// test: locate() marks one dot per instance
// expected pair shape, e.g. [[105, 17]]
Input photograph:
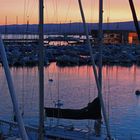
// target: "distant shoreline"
[[64, 28]]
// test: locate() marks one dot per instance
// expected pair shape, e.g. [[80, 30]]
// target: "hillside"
[[65, 28]]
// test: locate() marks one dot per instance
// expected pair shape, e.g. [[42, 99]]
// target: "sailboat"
[[93, 110]]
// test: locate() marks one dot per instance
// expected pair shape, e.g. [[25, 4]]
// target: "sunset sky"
[[63, 11]]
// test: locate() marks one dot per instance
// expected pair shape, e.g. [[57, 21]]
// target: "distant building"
[[116, 37], [133, 38]]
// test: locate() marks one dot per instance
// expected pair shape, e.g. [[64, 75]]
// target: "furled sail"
[[92, 111]]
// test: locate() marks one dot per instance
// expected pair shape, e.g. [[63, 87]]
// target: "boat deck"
[[10, 130]]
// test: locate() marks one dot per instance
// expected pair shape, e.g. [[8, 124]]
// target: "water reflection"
[[75, 86]]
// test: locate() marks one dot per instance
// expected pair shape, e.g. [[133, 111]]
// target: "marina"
[[72, 55], [101, 107]]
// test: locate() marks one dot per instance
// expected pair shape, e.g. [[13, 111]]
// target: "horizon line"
[[68, 23]]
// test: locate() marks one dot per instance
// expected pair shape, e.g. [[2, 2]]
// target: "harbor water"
[[75, 87]]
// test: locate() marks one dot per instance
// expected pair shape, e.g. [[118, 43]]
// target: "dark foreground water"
[[75, 87]]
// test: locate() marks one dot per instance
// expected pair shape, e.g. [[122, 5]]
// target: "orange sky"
[[57, 11]]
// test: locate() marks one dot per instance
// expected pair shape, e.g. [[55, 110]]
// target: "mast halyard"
[[41, 71]]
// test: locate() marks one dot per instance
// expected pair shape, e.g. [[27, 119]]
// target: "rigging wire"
[[89, 81], [50, 76], [68, 9], [58, 96], [33, 87], [90, 122], [27, 10], [56, 11], [108, 93], [108, 12], [46, 11], [33, 6], [23, 92], [24, 11], [92, 4], [53, 4], [57, 6], [57, 104]]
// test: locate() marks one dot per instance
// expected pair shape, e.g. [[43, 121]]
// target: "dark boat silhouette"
[[92, 111], [137, 92]]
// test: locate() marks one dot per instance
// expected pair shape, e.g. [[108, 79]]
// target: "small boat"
[[50, 80], [92, 111], [137, 92]]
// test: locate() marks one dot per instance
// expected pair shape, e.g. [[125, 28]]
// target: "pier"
[[33, 38]]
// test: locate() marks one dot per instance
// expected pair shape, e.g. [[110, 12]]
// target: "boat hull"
[[92, 111]]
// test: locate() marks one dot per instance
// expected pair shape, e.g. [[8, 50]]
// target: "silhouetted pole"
[[98, 83], [12, 92], [135, 18], [41, 71]]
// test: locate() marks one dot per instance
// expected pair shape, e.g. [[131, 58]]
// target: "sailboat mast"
[[135, 18], [41, 71], [12, 92], [93, 62], [100, 42]]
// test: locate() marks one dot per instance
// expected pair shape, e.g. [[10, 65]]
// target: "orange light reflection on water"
[[75, 86]]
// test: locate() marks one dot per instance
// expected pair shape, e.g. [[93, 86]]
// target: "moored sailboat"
[[92, 111], [97, 104]]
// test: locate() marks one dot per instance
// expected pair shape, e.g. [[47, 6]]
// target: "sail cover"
[[92, 111]]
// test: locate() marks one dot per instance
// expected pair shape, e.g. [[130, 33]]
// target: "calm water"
[[75, 87]]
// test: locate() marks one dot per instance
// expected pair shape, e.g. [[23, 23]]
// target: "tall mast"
[[100, 41], [135, 18], [93, 62], [41, 71], [12, 92]]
